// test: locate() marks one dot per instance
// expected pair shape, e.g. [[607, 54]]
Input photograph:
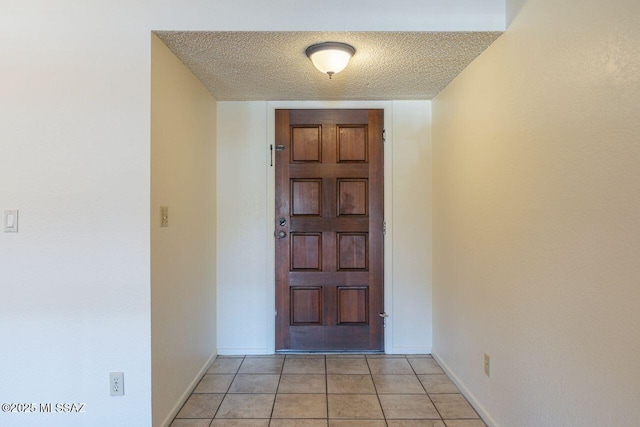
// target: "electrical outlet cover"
[[116, 383]]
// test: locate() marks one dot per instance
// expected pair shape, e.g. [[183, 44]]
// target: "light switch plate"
[[487, 365], [10, 221], [164, 216]]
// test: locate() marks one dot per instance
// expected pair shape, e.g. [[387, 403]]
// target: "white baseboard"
[[410, 350], [465, 391], [264, 351], [242, 351], [183, 398]]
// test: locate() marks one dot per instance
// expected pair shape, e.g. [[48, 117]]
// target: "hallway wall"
[[537, 218], [183, 255], [245, 279], [74, 115]]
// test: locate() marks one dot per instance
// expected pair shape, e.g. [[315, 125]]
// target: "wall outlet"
[[116, 383], [487, 365], [164, 216]]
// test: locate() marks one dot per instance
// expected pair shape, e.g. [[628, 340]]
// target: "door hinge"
[[384, 228], [384, 136], [276, 313]]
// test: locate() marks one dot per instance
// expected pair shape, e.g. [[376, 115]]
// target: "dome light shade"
[[330, 57]]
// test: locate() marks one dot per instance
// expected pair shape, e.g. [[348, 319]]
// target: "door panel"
[[306, 251], [329, 250], [352, 251], [352, 197], [306, 197]]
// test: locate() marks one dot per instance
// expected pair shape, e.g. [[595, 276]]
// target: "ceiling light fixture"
[[330, 57]]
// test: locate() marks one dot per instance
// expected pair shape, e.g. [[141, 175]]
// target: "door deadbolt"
[[282, 222]]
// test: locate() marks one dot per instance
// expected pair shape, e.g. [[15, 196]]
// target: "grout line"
[[326, 387], [425, 390], [193, 392], [228, 388], [275, 396], [384, 416]]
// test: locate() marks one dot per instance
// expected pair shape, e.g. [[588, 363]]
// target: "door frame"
[[387, 106]]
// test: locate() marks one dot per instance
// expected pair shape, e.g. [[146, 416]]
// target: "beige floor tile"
[[240, 423], [350, 384], [390, 365], [415, 423], [200, 406], [438, 383], [261, 365], [465, 423], [226, 365], [255, 383], [246, 406], [214, 383], [298, 423], [303, 381], [408, 406], [453, 406], [300, 406], [191, 423], [357, 423], [304, 365], [398, 384], [354, 406], [302, 384], [347, 365], [425, 365]]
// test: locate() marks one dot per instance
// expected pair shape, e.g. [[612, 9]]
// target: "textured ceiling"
[[273, 66]]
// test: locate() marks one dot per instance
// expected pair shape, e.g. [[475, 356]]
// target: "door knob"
[[282, 235]]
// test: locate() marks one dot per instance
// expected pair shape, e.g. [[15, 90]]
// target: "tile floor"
[[326, 391]]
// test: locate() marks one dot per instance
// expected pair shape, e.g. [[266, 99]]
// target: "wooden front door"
[[329, 230]]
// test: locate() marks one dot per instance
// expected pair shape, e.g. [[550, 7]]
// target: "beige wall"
[[183, 294], [537, 218]]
